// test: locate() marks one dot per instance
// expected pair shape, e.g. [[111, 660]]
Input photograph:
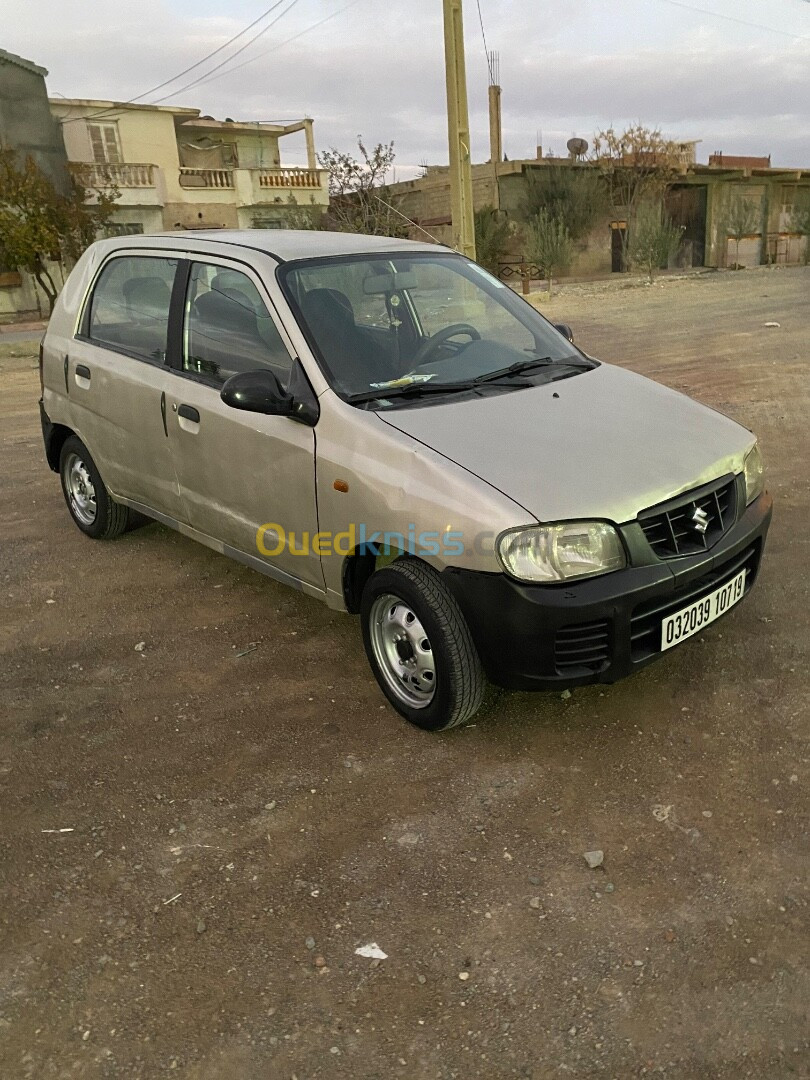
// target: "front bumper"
[[542, 637]]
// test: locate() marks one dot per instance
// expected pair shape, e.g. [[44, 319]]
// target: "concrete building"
[[26, 122], [176, 169], [26, 125], [697, 201]]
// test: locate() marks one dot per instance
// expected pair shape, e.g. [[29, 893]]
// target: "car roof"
[[287, 245]]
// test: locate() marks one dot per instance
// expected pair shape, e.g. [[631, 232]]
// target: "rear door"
[[239, 471], [118, 377]]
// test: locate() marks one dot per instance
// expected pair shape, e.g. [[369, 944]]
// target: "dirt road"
[[244, 812]]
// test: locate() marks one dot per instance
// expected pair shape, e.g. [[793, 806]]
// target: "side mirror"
[[257, 391], [565, 330]]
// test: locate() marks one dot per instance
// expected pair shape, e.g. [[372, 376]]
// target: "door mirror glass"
[[565, 330], [259, 392]]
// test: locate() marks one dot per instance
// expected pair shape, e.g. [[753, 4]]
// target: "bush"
[[653, 240], [550, 244], [492, 234]]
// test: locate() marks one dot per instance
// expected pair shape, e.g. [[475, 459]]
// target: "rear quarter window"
[[129, 307]]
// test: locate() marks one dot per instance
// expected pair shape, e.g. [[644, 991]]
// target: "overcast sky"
[[567, 67]]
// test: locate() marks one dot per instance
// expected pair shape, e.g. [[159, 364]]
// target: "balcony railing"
[[290, 178], [99, 175], [206, 178]]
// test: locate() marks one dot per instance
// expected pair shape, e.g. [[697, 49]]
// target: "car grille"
[[582, 649], [670, 527], [645, 622]]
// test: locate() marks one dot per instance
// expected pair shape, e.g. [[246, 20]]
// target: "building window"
[[128, 228], [105, 144], [266, 223]]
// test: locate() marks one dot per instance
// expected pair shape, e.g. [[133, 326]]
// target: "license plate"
[[675, 628]]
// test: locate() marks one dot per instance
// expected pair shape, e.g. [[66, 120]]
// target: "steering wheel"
[[428, 347]]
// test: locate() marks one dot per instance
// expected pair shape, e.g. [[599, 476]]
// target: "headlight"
[[558, 552], [754, 475]]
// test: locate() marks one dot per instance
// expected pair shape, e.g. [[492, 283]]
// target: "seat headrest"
[[330, 305], [145, 294], [231, 313]]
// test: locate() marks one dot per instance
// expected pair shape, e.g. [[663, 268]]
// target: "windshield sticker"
[[406, 380], [485, 273]]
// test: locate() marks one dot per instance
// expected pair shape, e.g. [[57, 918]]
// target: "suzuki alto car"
[[385, 426]]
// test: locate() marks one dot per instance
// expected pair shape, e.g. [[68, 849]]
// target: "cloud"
[[379, 70]]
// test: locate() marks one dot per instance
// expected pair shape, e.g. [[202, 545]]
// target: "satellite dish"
[[577, 147]]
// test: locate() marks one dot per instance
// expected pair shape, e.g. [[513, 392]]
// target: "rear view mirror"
[[376, 284], [565, 330], [257, 391]]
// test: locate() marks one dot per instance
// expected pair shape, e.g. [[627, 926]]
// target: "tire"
[[419, 646], [90, 504]]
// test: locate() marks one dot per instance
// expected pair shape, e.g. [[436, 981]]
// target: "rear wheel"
[[419, 646], [90, 504]]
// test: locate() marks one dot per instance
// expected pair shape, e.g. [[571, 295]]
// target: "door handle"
[[83, 371], [188, 412], [163, 413]]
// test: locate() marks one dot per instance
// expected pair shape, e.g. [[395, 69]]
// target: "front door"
[[248, 480], [618, 232], [118, 378]]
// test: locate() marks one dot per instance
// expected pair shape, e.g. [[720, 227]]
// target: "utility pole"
[[458, 126], [495, 125]]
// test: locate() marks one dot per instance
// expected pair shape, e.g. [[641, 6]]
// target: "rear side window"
[[227, 327], [129, 308]]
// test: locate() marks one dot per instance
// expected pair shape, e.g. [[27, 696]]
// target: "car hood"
[[606, 443]]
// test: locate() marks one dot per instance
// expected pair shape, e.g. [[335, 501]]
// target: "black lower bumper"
[[540, 637], [47, 436]]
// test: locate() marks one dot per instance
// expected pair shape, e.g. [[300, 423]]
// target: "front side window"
[[390, 329], [129, 308], [227, 327]]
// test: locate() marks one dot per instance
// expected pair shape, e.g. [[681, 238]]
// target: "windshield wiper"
[[526, 365], [411, 390], [502, 376]]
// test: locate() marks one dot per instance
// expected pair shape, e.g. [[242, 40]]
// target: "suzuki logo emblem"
[[700, 520]]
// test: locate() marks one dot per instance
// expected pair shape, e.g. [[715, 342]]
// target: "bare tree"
[[653, 240], [740, 218], [550, 244], [302, 216], [360, 201], [637, 165]]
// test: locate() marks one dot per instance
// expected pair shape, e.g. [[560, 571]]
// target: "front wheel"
[[419, 646]]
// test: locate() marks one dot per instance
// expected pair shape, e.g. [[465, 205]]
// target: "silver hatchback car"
[[387, 427]]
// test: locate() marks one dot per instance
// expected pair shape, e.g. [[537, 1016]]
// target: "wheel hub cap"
[[81, 492], [402, 651]]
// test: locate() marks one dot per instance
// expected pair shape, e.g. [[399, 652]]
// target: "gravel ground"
[[238, 821]]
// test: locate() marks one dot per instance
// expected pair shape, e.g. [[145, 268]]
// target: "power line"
[[484, 36], [212, 54], [281, 44], [228, 59], [740, 22], [191, 67]]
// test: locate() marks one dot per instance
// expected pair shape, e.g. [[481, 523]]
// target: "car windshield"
[[388, 329]]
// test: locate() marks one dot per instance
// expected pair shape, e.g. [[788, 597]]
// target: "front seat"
[[224, 334], [350, 355]]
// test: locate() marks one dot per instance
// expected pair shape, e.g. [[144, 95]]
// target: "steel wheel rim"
[[81, 490], [403, 652]]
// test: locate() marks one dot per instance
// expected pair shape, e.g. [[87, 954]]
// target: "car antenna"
[[410, 221]]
